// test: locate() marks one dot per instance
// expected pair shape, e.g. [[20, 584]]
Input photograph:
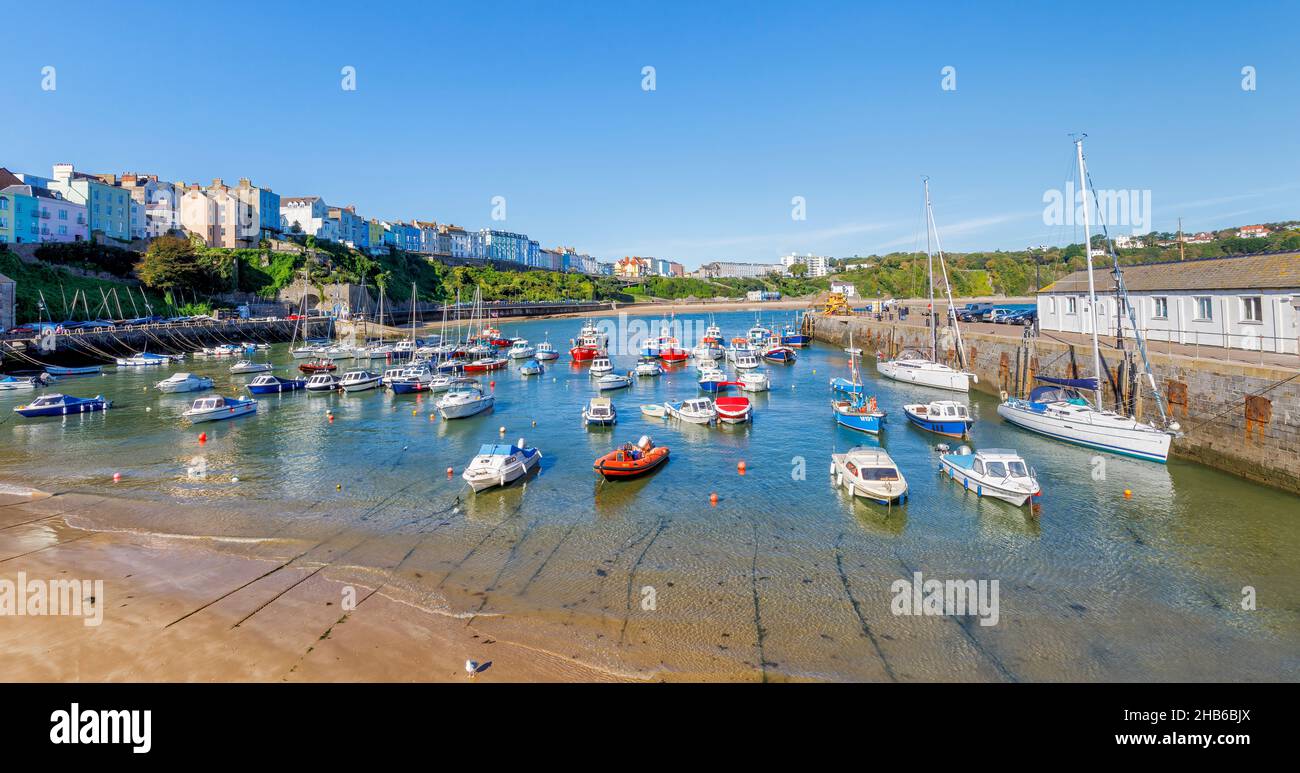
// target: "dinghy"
[[88, 370], [655, 411], [869, 473], [497, 464], [318, 366], [733, 410], [631, 460], [531, 368], [992, 472]]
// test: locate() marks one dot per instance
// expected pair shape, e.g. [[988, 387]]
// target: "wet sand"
[[229, 607]]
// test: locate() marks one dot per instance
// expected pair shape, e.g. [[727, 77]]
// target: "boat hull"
[[928, 374], [465, 410], [1151, 445], [612, 468], [288, 385], [950, 428], [86, 406], [226, 412]]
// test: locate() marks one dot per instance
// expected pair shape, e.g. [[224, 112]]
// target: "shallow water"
[[784, 578]]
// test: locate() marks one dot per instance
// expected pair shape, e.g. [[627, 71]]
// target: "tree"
[[171, 263], [799, 270]]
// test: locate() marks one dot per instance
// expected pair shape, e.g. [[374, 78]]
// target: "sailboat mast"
[[947, 287], [929, 259], [1092, 287]]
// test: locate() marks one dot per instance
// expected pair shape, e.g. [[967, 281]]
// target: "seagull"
[[471, 668]]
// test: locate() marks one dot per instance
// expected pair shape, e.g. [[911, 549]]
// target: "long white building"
[[1244, 302]]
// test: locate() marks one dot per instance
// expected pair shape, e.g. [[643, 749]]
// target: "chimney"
[[217, 183], [244, 182], [63, 172]]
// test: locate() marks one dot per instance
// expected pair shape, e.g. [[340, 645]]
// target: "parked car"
[[1026, 318], [972, 312]]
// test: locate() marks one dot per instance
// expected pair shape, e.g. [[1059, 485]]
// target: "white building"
[[1244, 302], [726, 270], [311, 216], [844, 287], [817, 265]]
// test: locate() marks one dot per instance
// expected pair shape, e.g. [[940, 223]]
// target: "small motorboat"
[[790, 336], [62, 405], [497, 464], [631, 460], [992, 472], [613, 381], [546, 351], [143, 359], [600, 412], [744, 360], [464, 401], [318, 366], [779, 354], [266, 384], [521, 350], [217, 408], [860, 413], [601, 365], [23, 383], [184, 382], [754, 381], [358, 381], [944, 417], [412, 380], [696, 410], [226, 350], [733, 410], [485, 364], [89, 370], [531, 368], [869, 473], [648, 366], [322, 382], [654, 411], [247, 366], [391, 375], [442, 382], [714, 381]]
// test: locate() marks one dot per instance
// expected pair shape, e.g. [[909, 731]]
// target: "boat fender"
[[1003, 395]]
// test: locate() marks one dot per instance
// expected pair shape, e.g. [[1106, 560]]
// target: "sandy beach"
[[234, 607]]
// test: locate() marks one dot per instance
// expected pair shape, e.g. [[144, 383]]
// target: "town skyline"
[[716, 158]]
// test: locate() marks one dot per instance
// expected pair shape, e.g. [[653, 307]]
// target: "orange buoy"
[[713, 499], [449, 472], [492, 384], [740, 467], [1128, 493], [331, 418], [117, 476], [203, 438]]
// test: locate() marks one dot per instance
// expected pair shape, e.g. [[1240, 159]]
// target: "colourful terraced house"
[[108, 207], [20, 217]]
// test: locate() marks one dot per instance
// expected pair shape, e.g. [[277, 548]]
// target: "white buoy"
[[471, 668], [234, 479]]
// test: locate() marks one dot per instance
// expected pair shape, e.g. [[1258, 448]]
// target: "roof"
[[1279, 270], [8, 178]]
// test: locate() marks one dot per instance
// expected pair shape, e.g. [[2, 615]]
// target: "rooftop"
[[1277, 270]]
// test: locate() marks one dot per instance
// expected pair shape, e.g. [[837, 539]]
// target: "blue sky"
[[755, 103]]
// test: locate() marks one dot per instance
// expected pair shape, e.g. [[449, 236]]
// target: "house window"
[[63, 214], [1161, 308], [1051, 305], [1204, 308], [4, 204], [1071, 304], [1252, 309]]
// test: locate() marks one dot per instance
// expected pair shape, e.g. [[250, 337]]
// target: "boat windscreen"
[[878, 473]]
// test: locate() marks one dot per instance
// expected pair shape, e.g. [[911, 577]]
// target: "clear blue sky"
[[754, 103]]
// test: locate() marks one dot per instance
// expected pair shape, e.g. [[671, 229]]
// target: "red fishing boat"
[[485, 364], [318, 366], [734, 410], [631, 460], [671, 351]]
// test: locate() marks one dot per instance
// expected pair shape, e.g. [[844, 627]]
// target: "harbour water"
[[783, 578]]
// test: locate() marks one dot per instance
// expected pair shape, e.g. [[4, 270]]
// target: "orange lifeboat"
[[631, 460]]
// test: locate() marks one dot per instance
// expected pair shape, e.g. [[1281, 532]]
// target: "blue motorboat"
[[790, 336], [857, 412], [63, 405], [780, 354], [531, 368], [944, 417], [266, 384]]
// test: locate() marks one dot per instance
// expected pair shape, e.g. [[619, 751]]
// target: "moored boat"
[[464, 401], [631, 460], [601, 365], [992, 472], [779, 354], [358, 381], [869, 473], [217, 408], [497, 464], [486, 364], [531, 368], [613, 381], [143, 359], [62, 405], [521, 350], [858, 412], [88, 370], [695, 410], [318, 366], [754, 381], [600, 412], [733, 410], [267, 384], [546, 351], [322, 382], [23, 383], [648, 366], [248, 366], [944, 417], [183, 382]]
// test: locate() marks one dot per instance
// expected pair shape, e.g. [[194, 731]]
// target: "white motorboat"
[[649, 366], [599, 411], [216, 408], [358, 381], [307, 352], [601, 365], [497, 464], [322, 382], [696, 410], [613, 381], [745, 360], [869, 473], [464, 401], [521, 350], [754, 381], [547, 351], [248, 366], [23, 383], [143, 359], [183, 382], [992, 472]]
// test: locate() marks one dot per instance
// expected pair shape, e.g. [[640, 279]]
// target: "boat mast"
[[947, 285], [929, 259], [1092, 287]]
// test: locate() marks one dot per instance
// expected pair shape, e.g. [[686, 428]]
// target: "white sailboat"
[[916, 367], [1058, 410]]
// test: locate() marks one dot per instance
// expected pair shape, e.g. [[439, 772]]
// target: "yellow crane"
[[837, 304]]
